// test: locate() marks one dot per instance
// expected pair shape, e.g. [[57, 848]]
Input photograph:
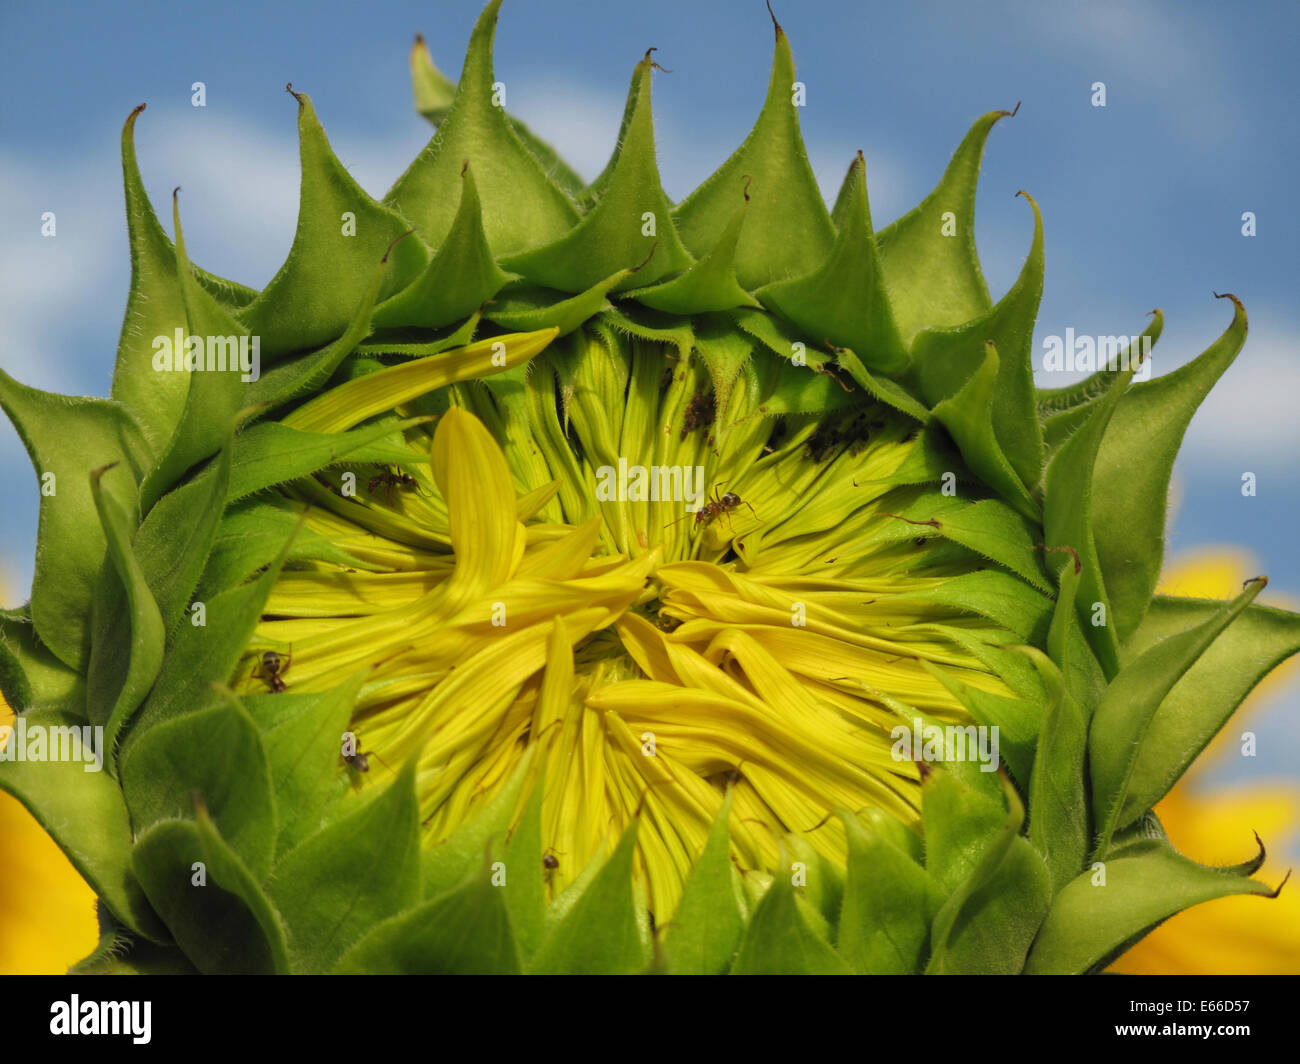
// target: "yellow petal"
[[350, 404], [472, 474]]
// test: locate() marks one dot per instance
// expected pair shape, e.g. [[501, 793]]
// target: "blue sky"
[[1142, 199]]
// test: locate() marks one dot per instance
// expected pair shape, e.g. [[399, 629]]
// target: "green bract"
[[223, 834]]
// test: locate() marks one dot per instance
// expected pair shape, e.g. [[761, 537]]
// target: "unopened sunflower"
[[544, 576]]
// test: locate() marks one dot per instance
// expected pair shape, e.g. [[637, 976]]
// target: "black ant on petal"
[[549, 862], [391, 481], [357, 760], [272, 668]]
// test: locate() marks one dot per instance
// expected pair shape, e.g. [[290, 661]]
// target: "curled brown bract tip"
[[288, 87], [1235, 301], [1078, 565], [1261, 580], [419, 40], [776, 25], [653, 247], [1014, 111], [464, 166], [1285, 878], [394, 244], [175, 193], [924, 769], [748, 179], [646, 59], [828, 369], [138, 109]]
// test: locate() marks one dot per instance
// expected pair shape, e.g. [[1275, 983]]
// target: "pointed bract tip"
[[748, 179], [1078, 565], [1236, 302], [646, 259], [394, 244], [775, 25], [288, 87], [97, 473], [175, 193], [128, 127], [646, 59], [1261, 580], [1285, 878], [925, 770], [464, 166], [1014, 111]]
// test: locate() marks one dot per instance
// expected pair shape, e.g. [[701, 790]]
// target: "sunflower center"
[[662, 602]]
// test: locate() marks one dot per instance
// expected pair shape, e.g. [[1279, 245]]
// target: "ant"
[[700, 412], [550, 862], [716, 507], [392, 481], [358, 760], [272, 668]]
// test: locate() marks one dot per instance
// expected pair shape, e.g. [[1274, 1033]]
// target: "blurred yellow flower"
[[1239, 935], [47, 912]]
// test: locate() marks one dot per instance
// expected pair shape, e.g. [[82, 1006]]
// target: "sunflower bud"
[[584, 582]]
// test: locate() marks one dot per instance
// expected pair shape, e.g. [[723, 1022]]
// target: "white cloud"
[[1172, 54], [580, 122], [43, 280], [1249, 419]]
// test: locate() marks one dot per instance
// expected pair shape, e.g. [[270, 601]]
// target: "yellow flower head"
[[660, 608]]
